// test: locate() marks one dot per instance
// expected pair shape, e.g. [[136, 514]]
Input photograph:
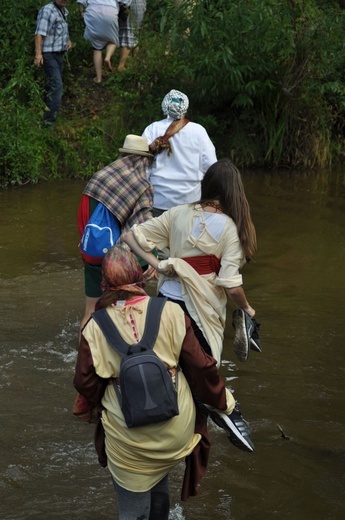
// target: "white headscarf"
[[175, 104]]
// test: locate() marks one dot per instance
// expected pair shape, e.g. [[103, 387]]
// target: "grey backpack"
[[147, 393]]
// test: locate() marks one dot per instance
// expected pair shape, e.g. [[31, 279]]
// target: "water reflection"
[[48, 467]]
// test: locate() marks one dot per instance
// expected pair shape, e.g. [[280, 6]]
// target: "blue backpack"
[[100, 234]]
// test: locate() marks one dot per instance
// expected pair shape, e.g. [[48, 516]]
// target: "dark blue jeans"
[[53, 64]]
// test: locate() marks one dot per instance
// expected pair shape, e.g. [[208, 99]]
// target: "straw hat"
[[135, 144]]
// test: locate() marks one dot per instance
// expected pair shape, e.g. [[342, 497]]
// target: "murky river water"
[[48, 467]]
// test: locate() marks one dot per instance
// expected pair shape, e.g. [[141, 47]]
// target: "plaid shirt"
[[128, 29], [52, 26], [123, 188]]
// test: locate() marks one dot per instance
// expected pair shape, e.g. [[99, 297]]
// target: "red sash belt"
[[206, 264]]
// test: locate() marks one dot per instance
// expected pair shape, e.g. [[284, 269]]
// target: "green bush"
[[265, 77], [265, 69]]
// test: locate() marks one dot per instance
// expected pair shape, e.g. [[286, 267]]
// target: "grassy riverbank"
[[265, 77]]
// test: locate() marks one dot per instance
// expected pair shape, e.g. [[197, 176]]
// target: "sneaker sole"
[[241, 340], [235, 435]]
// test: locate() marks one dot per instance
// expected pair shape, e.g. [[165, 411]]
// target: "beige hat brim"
[[135, 152]]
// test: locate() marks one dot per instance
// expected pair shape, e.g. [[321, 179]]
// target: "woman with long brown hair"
[[223, 183], [209, 241]]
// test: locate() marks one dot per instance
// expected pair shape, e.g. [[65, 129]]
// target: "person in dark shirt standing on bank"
[[51, 43]]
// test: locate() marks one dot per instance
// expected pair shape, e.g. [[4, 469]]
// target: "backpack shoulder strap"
[[154, 311], [114, 338], [110, 331]]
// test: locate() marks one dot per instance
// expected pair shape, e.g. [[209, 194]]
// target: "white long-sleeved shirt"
[[176, 178]]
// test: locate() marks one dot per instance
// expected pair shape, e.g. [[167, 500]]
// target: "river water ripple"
[[48, 467]]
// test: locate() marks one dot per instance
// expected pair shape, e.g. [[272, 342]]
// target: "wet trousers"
[[149, 505]]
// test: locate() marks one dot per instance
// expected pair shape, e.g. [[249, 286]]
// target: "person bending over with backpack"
[[140, 458], [123, 189]]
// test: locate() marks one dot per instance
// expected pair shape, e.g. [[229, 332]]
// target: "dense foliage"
[[265, 77]]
